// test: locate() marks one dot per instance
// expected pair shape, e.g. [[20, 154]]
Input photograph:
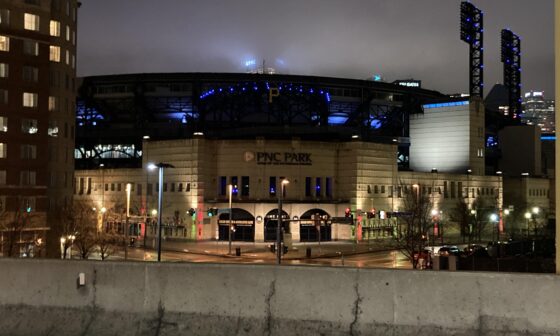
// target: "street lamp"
[[279, 227], [535, 211], [527, 217], [471, 225], [230, 191], [161, 166], [128, 187], [494, 220]]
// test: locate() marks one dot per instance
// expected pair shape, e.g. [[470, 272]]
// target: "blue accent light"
[[337, 119], [439, 105], [548, 137], [375, 123]]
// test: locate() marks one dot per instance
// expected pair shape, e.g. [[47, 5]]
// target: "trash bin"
[[238, 251], [308, 252]]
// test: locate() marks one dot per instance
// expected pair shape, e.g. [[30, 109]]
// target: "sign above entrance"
[[279, 158]]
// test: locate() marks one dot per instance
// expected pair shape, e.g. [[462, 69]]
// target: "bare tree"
[[482, 208], [461, 214], [107, 244], [414, 220], [12, 226]]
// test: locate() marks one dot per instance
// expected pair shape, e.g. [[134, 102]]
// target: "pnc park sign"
[[279, 158]]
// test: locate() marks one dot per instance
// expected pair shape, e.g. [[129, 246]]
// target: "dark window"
[[308, 187], [165, 187], [272, 186], [369, 189], [382, 189], [244, 185], [106, 187], [112, 187], [328, 187], [89, 185], [172, 187], [188, 188], [149, 188], [234, 186], [223, 185], [318, 187], [180, 187], [118, 187], [139, 189], [376, 189]]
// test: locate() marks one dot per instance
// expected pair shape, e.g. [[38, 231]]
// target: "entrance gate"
[[243, 226], [271, 224], [311, 223]]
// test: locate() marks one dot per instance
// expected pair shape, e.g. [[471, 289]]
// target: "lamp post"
[[279, 227], [230, 191], [527, 217], [471, 225], [128, 187], [494, 221], [161, 166], [535, 212]]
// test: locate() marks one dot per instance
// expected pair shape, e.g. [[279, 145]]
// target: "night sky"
[[398, 39]]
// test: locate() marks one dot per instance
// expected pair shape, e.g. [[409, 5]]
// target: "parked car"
[[448, 250]]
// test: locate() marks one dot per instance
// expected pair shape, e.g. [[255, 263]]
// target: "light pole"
[[161, 166], [279, 227], [471, 225], [494, 221], [535, 211], [128, 187], [230, 191], [527, 217]]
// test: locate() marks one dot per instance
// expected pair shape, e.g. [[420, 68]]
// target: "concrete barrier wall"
[[41, 297]]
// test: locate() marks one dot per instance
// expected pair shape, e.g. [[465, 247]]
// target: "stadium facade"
[[347, 148]]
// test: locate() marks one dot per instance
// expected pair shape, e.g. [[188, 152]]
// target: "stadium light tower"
[[511, 57], [472, 30]]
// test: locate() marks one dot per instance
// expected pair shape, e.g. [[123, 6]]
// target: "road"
[[374, 259]]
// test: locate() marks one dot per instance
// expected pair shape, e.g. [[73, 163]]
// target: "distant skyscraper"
[[538, 111], [37, 115]]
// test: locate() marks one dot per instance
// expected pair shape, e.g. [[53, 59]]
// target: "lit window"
[[4, 17], [3, 124], [3, 70], [30, 99], [2, 177], [53, 128], [3, 150], [67, 33], [4, 43], [52, 103], [54, 53], [73, 61], [29, 126], [30, 48], [55, 28], [28, 152], [30, 74], [67, 57], [31, 22]]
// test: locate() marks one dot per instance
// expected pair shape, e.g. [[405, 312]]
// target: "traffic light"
[[212, 212], [191, 212], [347, 212]]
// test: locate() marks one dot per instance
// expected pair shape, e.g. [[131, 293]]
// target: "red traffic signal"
[[347, 212]]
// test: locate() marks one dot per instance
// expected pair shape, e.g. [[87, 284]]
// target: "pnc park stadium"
[[333, 157]]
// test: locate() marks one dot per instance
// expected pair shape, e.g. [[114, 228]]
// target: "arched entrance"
[[271, 224], [243, 226], [313, 221]]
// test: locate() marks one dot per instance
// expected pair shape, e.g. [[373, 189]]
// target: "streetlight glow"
[[527, 215], [536, 210]]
